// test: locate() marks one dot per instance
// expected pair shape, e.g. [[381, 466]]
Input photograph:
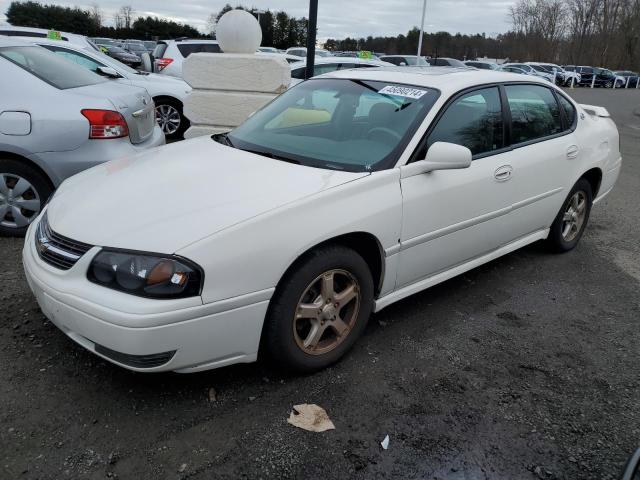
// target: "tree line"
[[603, 33], [91, 22]]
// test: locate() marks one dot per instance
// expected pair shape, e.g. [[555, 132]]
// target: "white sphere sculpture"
[[238, 32]]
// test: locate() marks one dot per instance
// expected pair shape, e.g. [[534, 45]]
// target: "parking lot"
[[523, 368]]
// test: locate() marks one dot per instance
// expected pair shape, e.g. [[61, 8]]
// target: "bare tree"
[[127, 12], [95, 13]]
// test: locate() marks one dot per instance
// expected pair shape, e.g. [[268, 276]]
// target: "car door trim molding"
[[427, 237]]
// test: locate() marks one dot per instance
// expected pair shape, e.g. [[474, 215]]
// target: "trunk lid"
[[134, 103]]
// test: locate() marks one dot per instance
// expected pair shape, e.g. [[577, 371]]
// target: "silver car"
[[57, 119]]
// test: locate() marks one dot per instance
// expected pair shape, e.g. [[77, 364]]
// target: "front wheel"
[[319, 309], [569, 224]]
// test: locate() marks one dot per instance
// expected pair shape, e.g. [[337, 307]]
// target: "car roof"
[[446, 79], [188, 40], [324, 60]]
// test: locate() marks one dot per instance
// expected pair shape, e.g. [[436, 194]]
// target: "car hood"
[[169, 197]]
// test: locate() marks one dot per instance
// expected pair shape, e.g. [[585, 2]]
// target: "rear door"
[[543, 153]]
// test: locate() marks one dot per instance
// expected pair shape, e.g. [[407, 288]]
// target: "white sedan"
[[347, 193]]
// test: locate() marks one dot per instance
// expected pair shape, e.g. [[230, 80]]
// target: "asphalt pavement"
[[524, 368]]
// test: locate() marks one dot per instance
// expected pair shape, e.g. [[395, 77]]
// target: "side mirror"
[[440, 156], [108, 72]]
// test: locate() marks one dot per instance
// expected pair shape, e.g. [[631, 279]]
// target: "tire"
[[609, 84], [561, 237], [20, 203], [286, 333], [166, 109]]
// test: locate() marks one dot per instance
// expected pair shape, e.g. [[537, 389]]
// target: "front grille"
[[56, 250], [136, 361]]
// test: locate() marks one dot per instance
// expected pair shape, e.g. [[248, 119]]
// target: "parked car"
[[29, 32], [168, 93], [445, 62], [482, 65], [598, 77], [302, 52], [331, 64], [268, 50], [57, 119], [123, 56], [563, 77], [343, 180], [529, 70], [150, 45], [135, 47], [405, 60], [631, 77], [510, 69], [170, 54]]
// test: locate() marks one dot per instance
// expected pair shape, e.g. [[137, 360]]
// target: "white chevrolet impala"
[[345, 194]]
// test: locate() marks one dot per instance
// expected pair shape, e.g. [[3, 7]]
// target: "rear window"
[[187, 49], [158, 51], [50, 68]]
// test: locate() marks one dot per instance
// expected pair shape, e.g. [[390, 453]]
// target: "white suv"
[[170, 54]]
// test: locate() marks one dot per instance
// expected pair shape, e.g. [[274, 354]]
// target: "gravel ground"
[[523, 368]]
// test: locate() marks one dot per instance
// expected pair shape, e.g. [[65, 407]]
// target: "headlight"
[[146, 274]]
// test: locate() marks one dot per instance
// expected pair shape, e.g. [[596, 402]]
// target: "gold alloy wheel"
[[574, 216], [326, 312]]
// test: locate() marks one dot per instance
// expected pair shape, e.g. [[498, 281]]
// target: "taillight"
[[163, 63], [106, 124]]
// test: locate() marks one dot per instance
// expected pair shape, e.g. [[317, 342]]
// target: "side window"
[[394, 60], [569, 111], [299, 73], [534, 112], [77, 58], [473, 120]]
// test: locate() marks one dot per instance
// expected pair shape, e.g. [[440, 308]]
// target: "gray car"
[[57, 119]]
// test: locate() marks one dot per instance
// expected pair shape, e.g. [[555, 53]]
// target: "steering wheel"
[[395, 136]]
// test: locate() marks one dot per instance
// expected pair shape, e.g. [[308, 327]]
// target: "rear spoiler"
[[595, 111]]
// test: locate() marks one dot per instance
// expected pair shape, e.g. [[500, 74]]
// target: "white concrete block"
[[237, 72], [208, 107]]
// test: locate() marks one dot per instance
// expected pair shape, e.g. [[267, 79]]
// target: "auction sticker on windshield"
[[402, 91]]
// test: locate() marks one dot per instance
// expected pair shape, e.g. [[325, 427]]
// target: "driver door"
[[453, 216]]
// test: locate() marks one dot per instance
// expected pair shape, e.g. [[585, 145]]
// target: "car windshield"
[[136, 47], [114, 49], [50, 68], [353, 125]]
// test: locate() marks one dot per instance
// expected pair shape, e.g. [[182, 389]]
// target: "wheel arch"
[[365, 244], [594, 177], [22, 158], [168, 97]]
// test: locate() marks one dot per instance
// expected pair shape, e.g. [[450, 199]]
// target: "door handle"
[[572, 151], [503, 173]]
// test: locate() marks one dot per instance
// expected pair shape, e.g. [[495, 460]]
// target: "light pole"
[[424, 11], [311, 38]]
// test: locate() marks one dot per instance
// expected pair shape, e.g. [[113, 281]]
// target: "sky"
[[336, 18]]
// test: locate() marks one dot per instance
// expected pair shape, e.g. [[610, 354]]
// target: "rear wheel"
[[319, 310], [23, 193], [569, 224], [171, 119]]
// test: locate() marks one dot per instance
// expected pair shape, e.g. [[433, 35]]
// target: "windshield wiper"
[[272, 155]]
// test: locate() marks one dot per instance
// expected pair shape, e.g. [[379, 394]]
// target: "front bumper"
[[171, 336]]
